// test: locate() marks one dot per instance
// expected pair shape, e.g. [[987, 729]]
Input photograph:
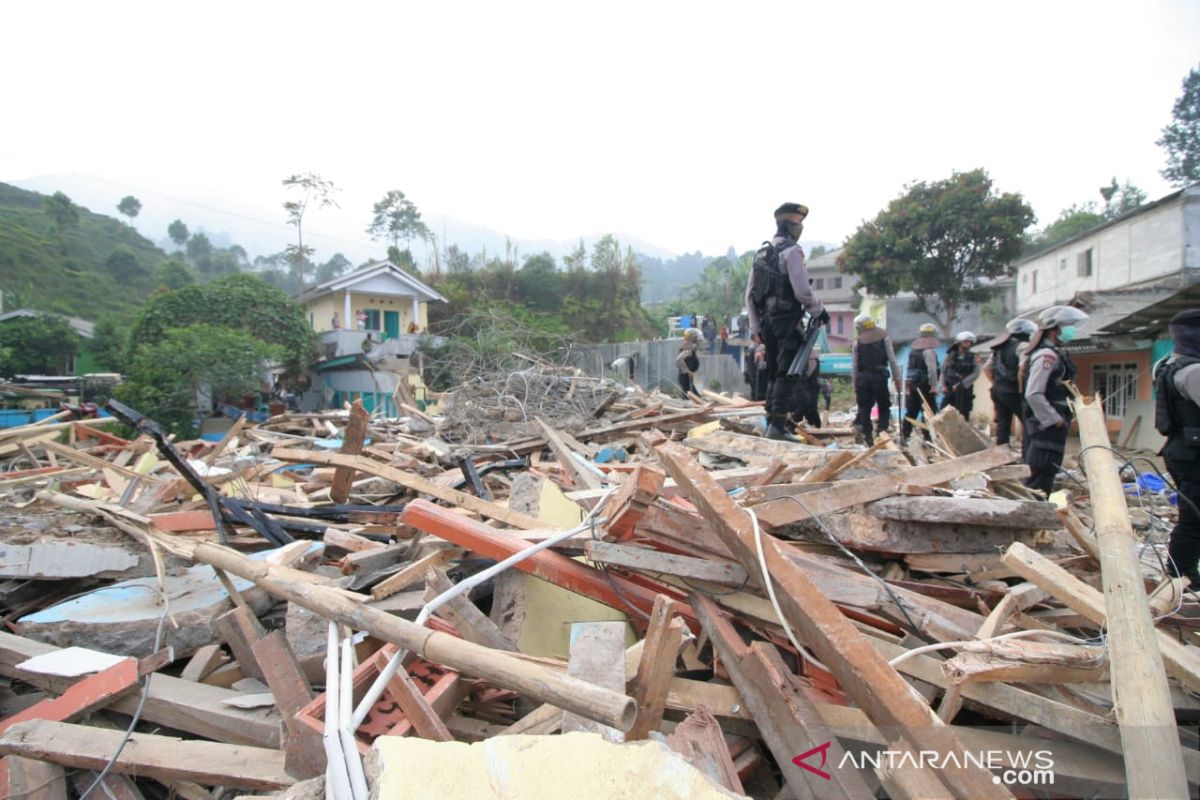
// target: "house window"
[[819, 283], [841, 324], [1033, 284], [373, 315], [1083, 264], [1117, 383], [837, 283], [1062, 264]]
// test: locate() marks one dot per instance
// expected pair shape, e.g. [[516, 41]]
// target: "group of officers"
[[1029, 369]]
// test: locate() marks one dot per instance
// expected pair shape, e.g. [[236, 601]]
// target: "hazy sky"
[[682, 123]]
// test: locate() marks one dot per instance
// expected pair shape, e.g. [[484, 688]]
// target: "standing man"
[[918, 379], [959, 374], [1001, 369], [687, 362], [709, 329], [1047, 370], [872, 355], [808, 389], [1177, 416], [777, 294]]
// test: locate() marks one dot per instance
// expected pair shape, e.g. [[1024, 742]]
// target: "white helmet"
[[863, 322], [1060, 317], [1021, 327], [927, 329], [965, 336], [691, 335]]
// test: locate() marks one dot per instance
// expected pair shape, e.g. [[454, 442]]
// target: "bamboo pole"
[[503, 669], [1142, 700]]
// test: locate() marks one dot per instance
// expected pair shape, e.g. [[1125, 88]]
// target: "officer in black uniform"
[[872, 355], [1177, 416], [778, 292], [959, 374], [1001, 369], [1048, 415], [919, 378]]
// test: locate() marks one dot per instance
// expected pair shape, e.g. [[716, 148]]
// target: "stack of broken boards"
[[758, 613]]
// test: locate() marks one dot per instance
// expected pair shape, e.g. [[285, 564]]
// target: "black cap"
[[1189, 318], [791, 208]]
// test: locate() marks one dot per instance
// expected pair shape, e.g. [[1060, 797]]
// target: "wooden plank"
[[352, 444], [413, 482], [87, 459], [352, 542], [640, 424], [647, 560], [240, 630], [701, 742], [93, 692], [420, 713], [204, 662], [995, 512], [114, 787], [465, 616], [656, 667], [29, 779], [148, 755], [597, 656], [304, 752], [414, 572], [787, 720], [862, 672], [578, 475], [229, 436], [365, 562]]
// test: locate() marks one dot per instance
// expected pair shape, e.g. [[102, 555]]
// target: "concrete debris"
[[724, 615]]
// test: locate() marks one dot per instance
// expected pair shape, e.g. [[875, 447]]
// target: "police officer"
[[687, 362], [871, 357], [959, 374], [777, 295], [808, 391], [919, 377], [1177, 416], [1001, 369], [1047, 369]]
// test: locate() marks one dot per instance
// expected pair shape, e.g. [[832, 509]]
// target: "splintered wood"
[[791, 620]]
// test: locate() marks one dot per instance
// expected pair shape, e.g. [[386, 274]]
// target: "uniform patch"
[[1048, 361]]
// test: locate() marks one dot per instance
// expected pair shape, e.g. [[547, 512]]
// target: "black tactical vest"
[[1005, 365], [958, 366], [1176, 416], [917, 372], [872, 356]]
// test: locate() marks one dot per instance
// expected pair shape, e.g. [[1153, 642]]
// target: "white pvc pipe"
[[354, 765], [389, 671], [338, 786]]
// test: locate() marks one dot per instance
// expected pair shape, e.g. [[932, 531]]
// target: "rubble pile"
[[652, 597]]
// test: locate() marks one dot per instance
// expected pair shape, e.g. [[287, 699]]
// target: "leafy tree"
[[1181, 139], [404, 260], [63, 214], [818, 250], [178, 233], [577, 258], [110, 343], [123, 264], [396, 219], [38, 345], [337, 265], [239, 254], [314, 191], [721, 288], [456, 260], [539, 282], [200, 253], [1119, 200], [165, 375], [130, 207], [172, 274], [943, 241]]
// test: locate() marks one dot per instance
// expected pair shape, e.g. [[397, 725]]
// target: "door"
[[391, 324]]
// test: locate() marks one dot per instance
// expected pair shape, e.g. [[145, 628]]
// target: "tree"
[[122, 264], [397, 219], [818, 250], [109, 343], [721, 288], [314, 191], [200, 253], [1122, 199], [172, 274], [1181, 139], [943, 241], [130, 206], [63, 214], [337, 265], [1118, 200], [39, 345], [178, 233]]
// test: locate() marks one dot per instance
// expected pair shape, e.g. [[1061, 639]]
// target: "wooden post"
[[500, 668], [1142, 700], [352, 442], [304, 752], [885, 696], [240, 630], [656, 668]]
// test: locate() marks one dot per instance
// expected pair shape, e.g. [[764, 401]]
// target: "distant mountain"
[[97, 267]]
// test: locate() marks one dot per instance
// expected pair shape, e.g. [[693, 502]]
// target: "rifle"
[[810, 341]]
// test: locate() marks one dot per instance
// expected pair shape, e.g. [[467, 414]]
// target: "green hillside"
[[96, 267]]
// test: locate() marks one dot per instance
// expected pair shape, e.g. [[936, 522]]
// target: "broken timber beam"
[[410, 481], [352, 443], [498, 667], [1153, 763], [876, 687], [148, 755]]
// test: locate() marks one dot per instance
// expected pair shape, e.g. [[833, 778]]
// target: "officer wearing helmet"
[[1177, 416], [687, 362], [1001, 369], [959, 374], [1047, 370], [808, 391], [871, 356], [778, 293], [920, 377]]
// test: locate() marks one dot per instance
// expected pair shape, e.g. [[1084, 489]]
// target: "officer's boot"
[[777, 429]]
